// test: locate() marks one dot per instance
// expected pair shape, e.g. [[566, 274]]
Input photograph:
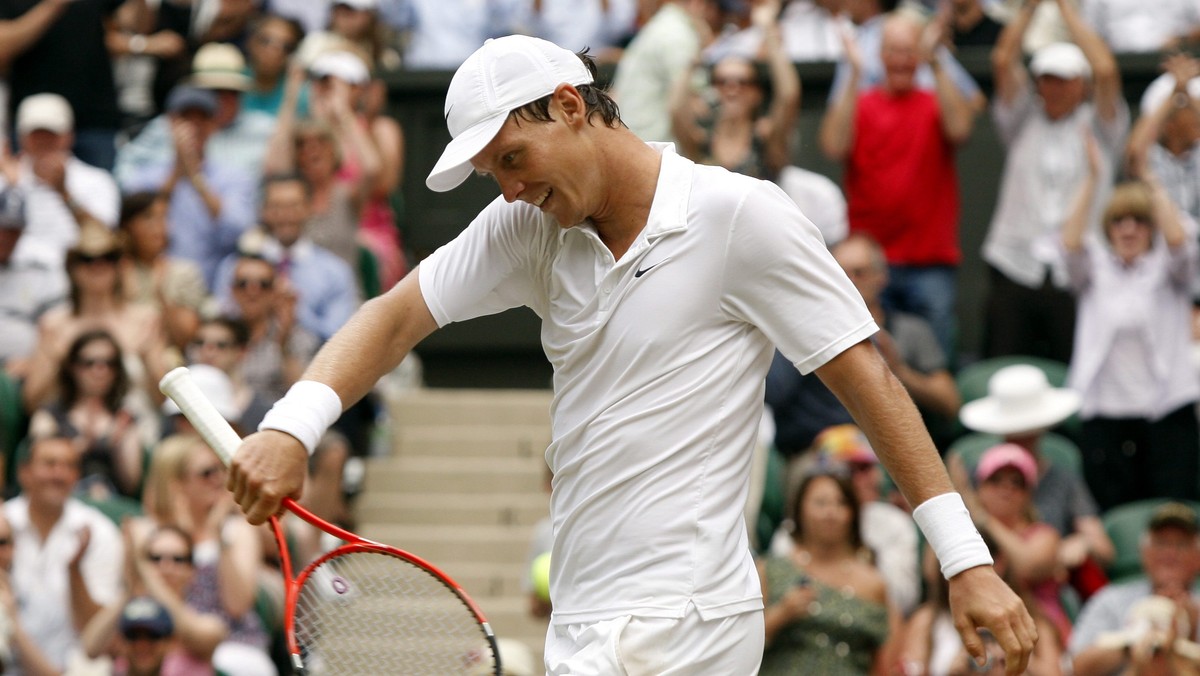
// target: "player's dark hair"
[[595, 98]]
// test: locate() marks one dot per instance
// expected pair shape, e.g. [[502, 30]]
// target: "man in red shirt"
[[898, 143]]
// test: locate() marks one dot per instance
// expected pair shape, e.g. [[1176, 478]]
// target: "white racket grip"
[[212, 427]]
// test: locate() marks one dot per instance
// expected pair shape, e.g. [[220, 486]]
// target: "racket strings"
[[368, 612]]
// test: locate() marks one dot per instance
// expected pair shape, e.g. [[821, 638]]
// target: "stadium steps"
[[463, 489]]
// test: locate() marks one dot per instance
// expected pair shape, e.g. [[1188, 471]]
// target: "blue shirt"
[[195, 234], [242, 144], [325, 286]]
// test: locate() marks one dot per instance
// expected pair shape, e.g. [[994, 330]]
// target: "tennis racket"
[[364, 607]]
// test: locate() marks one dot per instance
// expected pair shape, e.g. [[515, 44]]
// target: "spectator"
[[311, 16], [16, 645], [273, 40], [743, 131], [1130, 26], [60, 47], [868, 18], [1002, 506], [1019, 407], [356, 24], [971, 26], [30, 289], [1109, 638], [595, 25], [812, 30], [149, 275], [97, 301], [62, 193], [898, 143], [67, 557], [211, 199], [1168, 131], [186, 488], [441, 34], [159, 572], [90, 410], [826, 604], [324, 285], [658, 56], [1028, 309], [221, 342], [278, 349], [142, 47], [1140, 436], [238, 138], [886, 529]]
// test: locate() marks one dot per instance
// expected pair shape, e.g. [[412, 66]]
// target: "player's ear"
[[570, 104]]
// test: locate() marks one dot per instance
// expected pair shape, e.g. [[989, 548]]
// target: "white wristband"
[[950, 531], [305, 412]]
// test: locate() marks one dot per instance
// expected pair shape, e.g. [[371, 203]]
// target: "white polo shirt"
[[659, 362], [40, 571]]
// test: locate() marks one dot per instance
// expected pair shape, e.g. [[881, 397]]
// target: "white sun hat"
[[1019, 399], [501, 76]]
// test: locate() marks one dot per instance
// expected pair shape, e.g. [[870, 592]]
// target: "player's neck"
[[630, 173]]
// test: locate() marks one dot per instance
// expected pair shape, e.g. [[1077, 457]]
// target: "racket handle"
[[211, 425]]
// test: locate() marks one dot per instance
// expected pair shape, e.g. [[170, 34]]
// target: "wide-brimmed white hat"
[[1019, 399], [501, 76]]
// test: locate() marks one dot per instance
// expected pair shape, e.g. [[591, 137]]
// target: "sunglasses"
[[218, 344], [143, 635], [268, 41], [736, 81], [93, 363], [6, 541], [181, 559], [110, 257], [243, 283]]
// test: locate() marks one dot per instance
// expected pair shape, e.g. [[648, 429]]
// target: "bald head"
[[900, 51]]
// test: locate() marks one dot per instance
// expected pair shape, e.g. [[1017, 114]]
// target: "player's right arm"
[[271, 465]]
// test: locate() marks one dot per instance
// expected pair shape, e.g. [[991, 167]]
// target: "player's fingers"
[[1016, 647], [971, 640]]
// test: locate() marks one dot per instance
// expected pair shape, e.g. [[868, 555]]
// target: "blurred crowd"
[[214, 183]]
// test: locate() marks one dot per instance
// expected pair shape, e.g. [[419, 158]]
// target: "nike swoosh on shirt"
[[643, 271]]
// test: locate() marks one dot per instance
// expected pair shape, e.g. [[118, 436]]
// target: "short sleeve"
[[779, 277]]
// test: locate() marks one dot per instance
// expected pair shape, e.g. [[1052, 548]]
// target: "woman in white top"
[[1140, 437]]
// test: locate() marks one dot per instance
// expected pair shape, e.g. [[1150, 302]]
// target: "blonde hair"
[[167, 465], [1131, 198]]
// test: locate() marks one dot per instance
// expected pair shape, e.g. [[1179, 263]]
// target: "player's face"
[[539, 163]]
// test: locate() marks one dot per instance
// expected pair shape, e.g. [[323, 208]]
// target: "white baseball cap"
[[340, 64], [1060, 59], [1161, 88], [44, 111], [501, 76]]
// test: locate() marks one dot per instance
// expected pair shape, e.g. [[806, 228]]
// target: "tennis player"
[[662, 287]]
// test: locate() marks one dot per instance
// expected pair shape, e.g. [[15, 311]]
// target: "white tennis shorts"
[[653, 646]]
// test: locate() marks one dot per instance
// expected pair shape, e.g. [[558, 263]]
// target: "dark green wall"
[[503, 350]]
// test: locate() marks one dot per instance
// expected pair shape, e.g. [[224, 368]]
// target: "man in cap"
[[662, 286], [147, 629], [60, 46], [62, 193], [30, 288], [1043, 123], [239, 136], [1168, 132], [211, 198], [1105, 640]]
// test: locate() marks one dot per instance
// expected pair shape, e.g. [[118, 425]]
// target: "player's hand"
[[268, 467], [979, 599]]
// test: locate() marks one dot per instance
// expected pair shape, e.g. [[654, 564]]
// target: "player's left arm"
[[882, 408]]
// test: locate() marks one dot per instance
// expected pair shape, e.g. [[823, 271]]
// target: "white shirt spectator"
[[656, 58], [575, 24], [443, 33], [810, 33], [50, 228], [40, 577]]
